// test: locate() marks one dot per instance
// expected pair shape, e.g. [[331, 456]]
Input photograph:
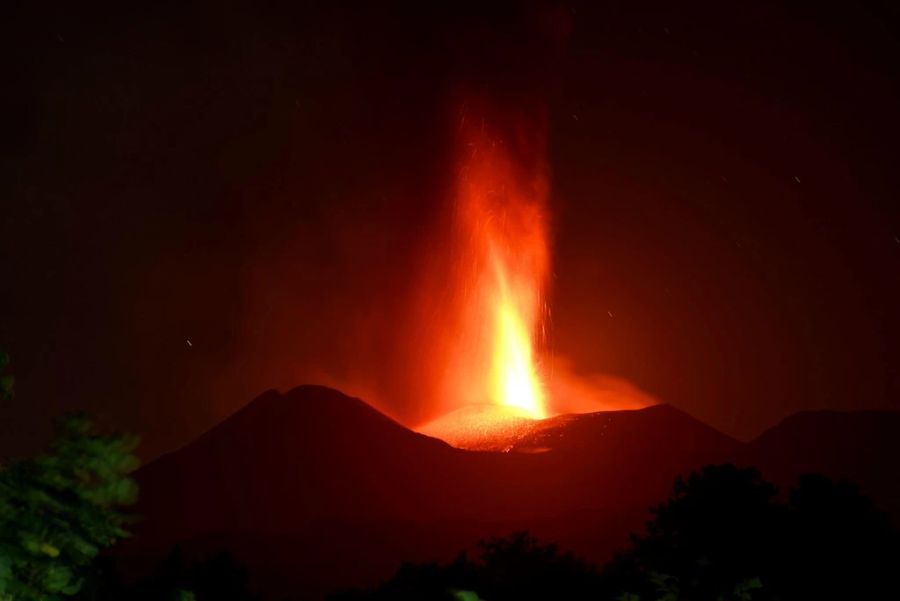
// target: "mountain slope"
[[862, 447], [315, 454], [316, 490]]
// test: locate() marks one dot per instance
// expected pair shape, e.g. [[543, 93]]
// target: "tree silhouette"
[[838, 545], [520, 567], [723, 534], [216, 577], [517, 567], [707, 536], [60, 509]]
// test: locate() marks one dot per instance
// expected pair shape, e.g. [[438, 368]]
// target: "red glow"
[[501, 252], [485, 296]]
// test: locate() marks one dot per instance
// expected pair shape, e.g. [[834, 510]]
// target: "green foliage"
[[465, 596], [666, 586], [744, 590], [667, 589], [60, 509]]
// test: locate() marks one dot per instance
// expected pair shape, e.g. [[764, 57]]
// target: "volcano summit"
[[326, 492]]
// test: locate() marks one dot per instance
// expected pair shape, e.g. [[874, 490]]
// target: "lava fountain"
[[504, 222], [495, 284]]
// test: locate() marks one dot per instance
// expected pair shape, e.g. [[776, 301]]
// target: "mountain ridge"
[[318, 467]]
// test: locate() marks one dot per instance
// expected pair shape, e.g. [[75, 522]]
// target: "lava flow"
[[492, 377]]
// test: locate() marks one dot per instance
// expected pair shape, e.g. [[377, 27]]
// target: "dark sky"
[[264, 181]]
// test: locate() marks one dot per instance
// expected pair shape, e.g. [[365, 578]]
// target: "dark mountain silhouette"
[[862, 447], [317, 490]]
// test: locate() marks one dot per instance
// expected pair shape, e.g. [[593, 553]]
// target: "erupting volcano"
[[483, 303], [499, 268], [504, 221]]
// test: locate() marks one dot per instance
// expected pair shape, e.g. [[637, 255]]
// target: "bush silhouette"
[[519, 567], [707, 536], [723, 534], [838, 545], [215, 577], [516, 567]]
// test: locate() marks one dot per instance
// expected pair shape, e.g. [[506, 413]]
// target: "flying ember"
[[502, 244]]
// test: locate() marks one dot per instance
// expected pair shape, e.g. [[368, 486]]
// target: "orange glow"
[[515, 380], [485, 372], [503, 259]]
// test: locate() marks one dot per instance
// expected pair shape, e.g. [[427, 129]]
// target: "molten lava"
[[484, 305], [515, 380], [501, 219], [491, 294]]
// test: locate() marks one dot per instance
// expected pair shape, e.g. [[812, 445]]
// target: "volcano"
[[313, 490]]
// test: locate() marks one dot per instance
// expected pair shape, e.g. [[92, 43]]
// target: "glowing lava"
[[482, 305], [516, 382], [502, 248], [480, 329]]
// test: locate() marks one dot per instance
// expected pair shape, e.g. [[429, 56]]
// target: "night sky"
[[205, 200]]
